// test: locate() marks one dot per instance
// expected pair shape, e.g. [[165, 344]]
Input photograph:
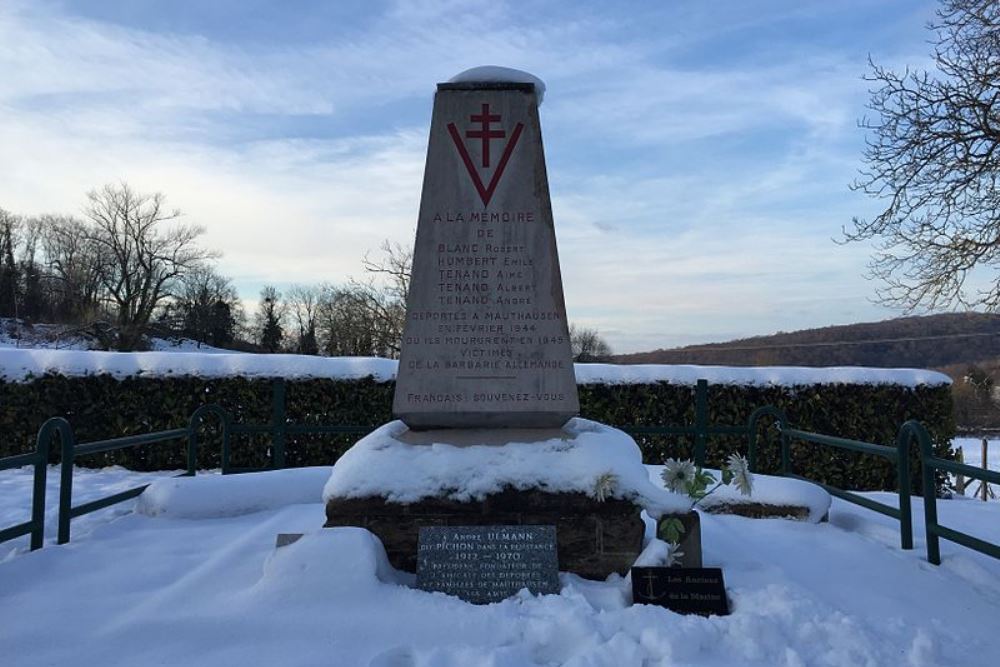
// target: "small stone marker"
[[483, 564], [685, 590], [284, 539], [486, 342]]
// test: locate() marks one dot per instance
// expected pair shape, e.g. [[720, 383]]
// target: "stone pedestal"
[[594, 538]]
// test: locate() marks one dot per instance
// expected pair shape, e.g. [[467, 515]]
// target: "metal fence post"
[[700, 422], [903, 438], [42, 448], [915, 430], [278, 424], [752, 423], [194, 423], [192, 447], [984, 487], [67, 446], [786, 454], [930, 495]]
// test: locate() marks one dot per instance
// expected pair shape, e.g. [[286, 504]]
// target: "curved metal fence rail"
[[39, 459], [909, 433]]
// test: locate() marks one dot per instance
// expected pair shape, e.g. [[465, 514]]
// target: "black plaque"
[[483, 564], [686, 590]]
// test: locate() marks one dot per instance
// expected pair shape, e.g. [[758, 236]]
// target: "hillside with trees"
[[931, 341], [964, 346]]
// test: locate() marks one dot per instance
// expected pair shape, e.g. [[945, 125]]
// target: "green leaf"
[[670, 530]]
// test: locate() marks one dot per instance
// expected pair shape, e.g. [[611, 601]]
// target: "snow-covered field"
[[972, 449], [140, 588], [16, 334]]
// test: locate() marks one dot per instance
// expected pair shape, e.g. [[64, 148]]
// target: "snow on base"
[[569, 460], [407, 473], [216, 496], [490, 73], [767, 490], [303, 567], [18, 365]]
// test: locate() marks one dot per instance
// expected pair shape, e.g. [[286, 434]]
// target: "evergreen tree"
[[269, 319]]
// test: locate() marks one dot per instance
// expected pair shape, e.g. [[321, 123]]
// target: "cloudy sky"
[[699, 153]]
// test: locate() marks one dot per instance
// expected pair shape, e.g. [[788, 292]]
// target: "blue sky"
[[699, 153]]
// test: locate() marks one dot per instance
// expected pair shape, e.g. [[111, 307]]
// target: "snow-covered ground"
[[972, 449], [150, 588], [16, 334]]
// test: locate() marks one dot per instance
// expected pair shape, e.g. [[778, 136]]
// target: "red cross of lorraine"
[[486, 134], [485, 119]]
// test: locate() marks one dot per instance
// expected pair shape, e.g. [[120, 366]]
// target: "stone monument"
[[485, 355], [486, 343]]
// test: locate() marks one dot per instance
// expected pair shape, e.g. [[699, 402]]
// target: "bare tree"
[[587, 346], [393, 266], [383, 295], [346, 325], [73, 261], [143, 252], [206, 308], [933, 159]]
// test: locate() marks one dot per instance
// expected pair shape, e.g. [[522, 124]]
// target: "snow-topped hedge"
[[106, 394], [25, 365]]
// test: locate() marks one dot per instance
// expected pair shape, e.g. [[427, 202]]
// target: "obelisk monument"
[[486, 342]]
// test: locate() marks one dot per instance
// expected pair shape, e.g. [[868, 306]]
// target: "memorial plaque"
[[686, 590], [486, 342], [483, 564]]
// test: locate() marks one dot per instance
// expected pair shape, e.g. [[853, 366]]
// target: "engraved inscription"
[[485, 340], [484, 564]]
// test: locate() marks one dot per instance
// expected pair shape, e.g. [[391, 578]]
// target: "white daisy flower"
[[740, 470], [604, 486], [677, 475]]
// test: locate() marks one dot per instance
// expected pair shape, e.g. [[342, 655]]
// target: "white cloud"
[[655, 250]]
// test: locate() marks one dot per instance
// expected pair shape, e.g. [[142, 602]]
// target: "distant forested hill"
[[932, 341]]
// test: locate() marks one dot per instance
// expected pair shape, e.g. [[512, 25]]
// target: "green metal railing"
[[70, 450], [930, 464], [910, 433], [39, 459], [700, 430], [896, 455], [279, 429]]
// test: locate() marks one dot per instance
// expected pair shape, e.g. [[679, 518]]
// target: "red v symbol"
[[485, 193]]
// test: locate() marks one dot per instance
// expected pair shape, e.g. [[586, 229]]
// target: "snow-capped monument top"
[[497, 74], [486, 343]]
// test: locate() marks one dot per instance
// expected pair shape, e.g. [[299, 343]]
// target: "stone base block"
[[594, 538]]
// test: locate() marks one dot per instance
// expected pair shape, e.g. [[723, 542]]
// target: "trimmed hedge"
[[99, 406]]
